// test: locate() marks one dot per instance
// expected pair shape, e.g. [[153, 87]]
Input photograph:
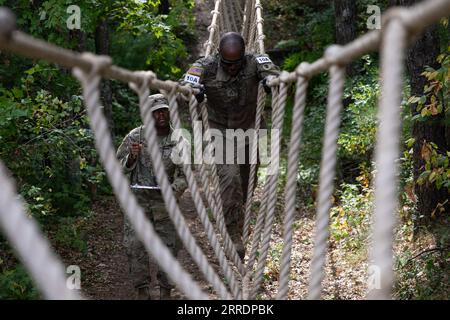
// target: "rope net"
[[240, 280]]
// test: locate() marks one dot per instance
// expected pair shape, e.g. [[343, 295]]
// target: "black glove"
[[265, 86], [200, 96]]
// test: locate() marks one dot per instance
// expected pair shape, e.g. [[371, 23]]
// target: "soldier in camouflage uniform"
[[230, 81], [137, 163]]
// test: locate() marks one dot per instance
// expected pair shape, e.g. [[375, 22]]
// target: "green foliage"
[[272, 270], [430, 107], [47, 145], [423, 270], [436, 92], [145, 40], [350, 218], [437, 169], [125, 108], [313, 35], [44, 130], [16, 284], [357, 137], [70, 235]]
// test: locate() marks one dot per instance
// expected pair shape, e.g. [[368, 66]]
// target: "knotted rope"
[[198, 201], [327, 174], [277, 126], [291, 185], [167, 192]]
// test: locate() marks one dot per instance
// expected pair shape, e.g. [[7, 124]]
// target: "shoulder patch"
[[263, 60], [192, 79], [193, 74], [195, 71]]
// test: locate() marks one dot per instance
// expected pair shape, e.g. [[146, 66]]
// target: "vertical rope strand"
[[253, 161], [168, 194], [256, 238], [327, 174], [216, 200], [273, 179], [386, 154], [291, 185], [199, 205]]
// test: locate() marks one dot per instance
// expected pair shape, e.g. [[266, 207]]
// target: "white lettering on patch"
[[192, 79], [263, 60]]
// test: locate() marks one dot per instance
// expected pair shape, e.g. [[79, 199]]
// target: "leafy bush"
[[145, 40], [430, 107], [49, 148], [17, 284], [423, 268], [357, 137], [350, 218], [69, 234]]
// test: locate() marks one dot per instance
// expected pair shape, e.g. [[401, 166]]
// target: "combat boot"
[[164, 293], [143, 293], [237, 240]]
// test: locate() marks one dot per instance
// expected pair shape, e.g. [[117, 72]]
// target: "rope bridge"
[[242, 279]]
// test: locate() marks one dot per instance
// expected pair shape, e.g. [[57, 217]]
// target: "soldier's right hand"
[[134, 149]]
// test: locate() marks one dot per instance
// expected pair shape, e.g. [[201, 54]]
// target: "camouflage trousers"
[[143, 269], [233, 181]]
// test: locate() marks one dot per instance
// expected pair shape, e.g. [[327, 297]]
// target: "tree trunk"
[[80, 39], [102, 47], [424, 53], [345, 24], [164, 7]]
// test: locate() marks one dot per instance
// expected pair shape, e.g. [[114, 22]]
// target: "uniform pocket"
[[249, 89], [145, 158]]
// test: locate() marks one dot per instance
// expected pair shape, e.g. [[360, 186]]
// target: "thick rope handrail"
[[277, 124], [259, 27], [27, 46], [168, 194], [227, 25], [142, 226], [327, 175], [291, 185], [387, 151], [245, 19], [213, 30], [198, 201], [250, 40], [33, 249], [416, 18]]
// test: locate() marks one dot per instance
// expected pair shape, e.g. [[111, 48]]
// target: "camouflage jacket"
[[231, 100], [141, 172]]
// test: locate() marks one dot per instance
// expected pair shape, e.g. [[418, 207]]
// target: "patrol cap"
[[159, 101]]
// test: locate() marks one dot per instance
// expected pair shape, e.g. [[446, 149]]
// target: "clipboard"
[[138, 186]]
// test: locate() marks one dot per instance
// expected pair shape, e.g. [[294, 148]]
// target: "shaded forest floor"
[[105, 274]]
